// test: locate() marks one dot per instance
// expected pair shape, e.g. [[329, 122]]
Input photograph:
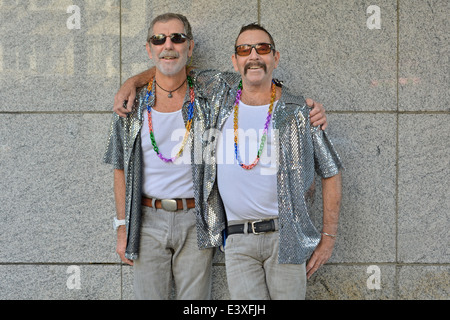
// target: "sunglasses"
[[159, 39], [261, 48]]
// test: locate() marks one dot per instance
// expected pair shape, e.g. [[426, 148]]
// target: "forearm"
[[119, 193], [331, 195], [143, 78]]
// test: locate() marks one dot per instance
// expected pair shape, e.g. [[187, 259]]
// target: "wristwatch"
[[117, 223]]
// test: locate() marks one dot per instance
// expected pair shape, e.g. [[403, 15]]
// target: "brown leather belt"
[[169, 204]]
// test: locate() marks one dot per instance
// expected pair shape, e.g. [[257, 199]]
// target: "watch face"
[[117, 223]]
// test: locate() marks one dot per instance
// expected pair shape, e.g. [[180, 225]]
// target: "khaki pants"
[[168, 248], [253, 271]]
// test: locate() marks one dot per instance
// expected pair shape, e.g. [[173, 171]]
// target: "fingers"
[[317, 114], [122, 245], [130, 101], [319, 257], [124, 100], [309, 102], [319, 121], [121, 254], [123, 110], [313, 266], [127, 261], [121, 107]]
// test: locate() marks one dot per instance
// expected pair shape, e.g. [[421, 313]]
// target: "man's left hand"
[[321, 255]]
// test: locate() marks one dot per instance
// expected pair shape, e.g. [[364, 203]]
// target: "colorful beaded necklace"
[[188, 123], [236, 128]]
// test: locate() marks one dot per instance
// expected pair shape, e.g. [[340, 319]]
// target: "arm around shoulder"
[[124, 98]]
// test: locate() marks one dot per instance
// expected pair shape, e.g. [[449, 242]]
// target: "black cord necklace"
[[170, 91]]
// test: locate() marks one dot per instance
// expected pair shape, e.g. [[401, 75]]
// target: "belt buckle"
[[169, 204], [253, 226]]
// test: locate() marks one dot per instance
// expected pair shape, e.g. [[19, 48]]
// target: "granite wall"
[[381, 68]]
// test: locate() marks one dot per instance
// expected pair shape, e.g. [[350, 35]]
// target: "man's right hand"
[[122, 244], [127, 92]]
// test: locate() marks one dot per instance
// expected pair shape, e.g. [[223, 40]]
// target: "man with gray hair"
[[156, 187]]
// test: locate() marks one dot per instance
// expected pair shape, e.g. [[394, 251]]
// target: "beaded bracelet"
[[330, 235]]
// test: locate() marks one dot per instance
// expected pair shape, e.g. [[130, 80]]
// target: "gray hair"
[[170, 16]]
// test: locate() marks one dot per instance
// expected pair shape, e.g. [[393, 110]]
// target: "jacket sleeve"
[[114, 153], [326, 158]]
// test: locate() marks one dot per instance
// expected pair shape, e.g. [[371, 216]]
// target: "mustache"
[[255, 64], [169, 53]]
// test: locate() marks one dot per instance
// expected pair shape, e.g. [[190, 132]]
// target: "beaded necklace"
[[188, 123], [236, 128]]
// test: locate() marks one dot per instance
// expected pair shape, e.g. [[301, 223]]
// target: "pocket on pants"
[[233, 243]]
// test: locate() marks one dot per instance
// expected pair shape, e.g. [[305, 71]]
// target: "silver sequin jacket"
[[124, 152], [303, 150]]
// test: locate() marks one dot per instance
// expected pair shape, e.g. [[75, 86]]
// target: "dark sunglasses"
[[159, 39], [261, 48]]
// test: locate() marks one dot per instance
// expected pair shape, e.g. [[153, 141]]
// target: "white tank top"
[[248, 194], [163, 180]]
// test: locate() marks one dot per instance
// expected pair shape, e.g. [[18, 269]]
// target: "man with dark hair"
[[267, 190]]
